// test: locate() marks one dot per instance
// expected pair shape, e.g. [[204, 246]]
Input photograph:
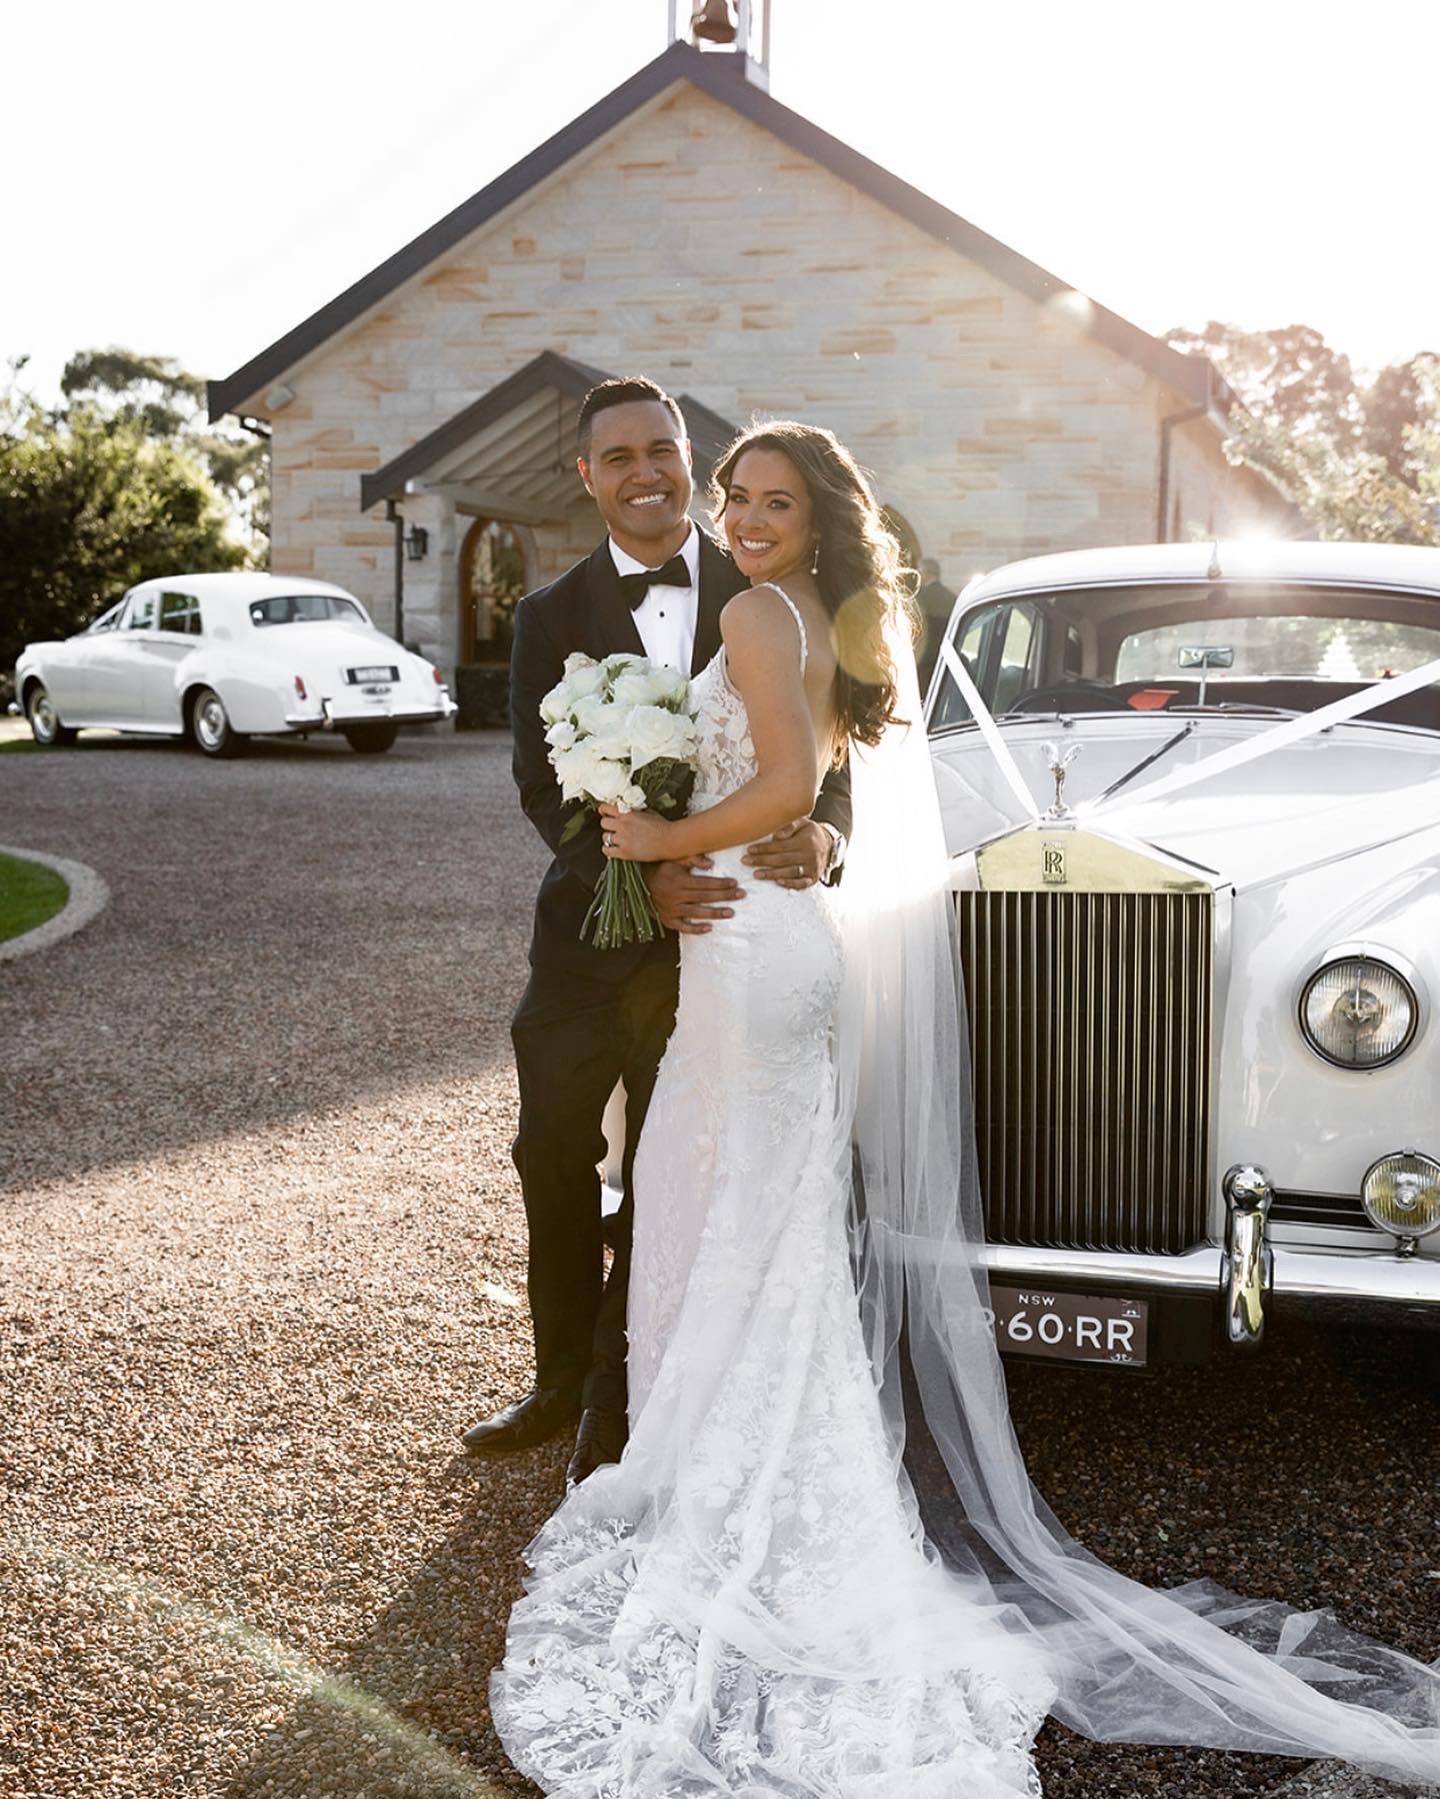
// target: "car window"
[[973, 637], [1019, 666], [107, 620], [303, 608], [180, 612], [139, 613]]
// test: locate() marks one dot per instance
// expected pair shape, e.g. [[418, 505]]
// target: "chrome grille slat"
[[1090, 1040]]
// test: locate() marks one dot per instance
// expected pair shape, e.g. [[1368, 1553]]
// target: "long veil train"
[[1189, 1665]]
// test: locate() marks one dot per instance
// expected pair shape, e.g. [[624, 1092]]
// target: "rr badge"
[[1053, 864]]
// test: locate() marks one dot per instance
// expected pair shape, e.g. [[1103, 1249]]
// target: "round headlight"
[[1358, 1012], [1401, 1193]]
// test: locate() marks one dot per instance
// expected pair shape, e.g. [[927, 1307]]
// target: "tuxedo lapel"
[[719, 581], [614, 622]]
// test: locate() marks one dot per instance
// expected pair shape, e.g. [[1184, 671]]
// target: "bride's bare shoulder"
[[759, 612]]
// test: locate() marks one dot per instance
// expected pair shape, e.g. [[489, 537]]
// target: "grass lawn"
[[29, 894]]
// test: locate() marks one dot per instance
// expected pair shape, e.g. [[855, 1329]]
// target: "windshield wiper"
[[1240, 706]]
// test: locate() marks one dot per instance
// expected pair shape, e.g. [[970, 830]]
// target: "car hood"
[[1298, 807]]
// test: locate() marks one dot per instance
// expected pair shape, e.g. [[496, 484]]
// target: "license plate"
[[1071, 1327], [383, 673], [384, 689]]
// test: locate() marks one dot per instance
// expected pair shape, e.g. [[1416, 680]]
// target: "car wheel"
[[45, 725], [372, 740], [211, 728]]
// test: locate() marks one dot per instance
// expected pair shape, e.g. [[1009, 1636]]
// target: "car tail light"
[[439, 678], [300, 687]]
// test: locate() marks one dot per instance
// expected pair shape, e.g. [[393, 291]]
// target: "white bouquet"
[[621, 733]]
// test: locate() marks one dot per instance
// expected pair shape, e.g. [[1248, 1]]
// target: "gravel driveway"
[[263, 1255]]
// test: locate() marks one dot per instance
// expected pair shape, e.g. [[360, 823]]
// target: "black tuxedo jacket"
[[585, 610]]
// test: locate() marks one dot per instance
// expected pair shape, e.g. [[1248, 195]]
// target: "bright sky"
[[194, 180]]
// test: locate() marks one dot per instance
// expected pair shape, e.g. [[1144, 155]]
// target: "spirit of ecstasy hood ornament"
[[1058, 767]]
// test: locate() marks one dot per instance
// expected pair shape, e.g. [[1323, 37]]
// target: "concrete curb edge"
[[89, 896]]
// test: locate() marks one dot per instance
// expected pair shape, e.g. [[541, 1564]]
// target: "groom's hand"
[[796, 855], [687, 901]]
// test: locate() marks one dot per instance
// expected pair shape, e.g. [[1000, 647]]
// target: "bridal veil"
[[1189, 1665]]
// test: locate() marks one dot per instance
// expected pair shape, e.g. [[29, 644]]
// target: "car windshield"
[[1263, 647], [1310, 649], [303, 609]]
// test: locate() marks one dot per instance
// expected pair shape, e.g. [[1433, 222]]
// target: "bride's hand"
[[634, 836]]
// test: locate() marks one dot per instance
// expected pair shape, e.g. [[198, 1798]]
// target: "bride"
[[747, 1603]]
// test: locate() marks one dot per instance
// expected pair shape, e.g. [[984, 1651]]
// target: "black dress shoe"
[[541, 1414], [602, 1438]]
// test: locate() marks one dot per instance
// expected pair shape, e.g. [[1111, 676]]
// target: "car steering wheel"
[[1065, 690]]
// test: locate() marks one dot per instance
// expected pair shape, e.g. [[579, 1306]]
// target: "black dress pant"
[[574, 1039]]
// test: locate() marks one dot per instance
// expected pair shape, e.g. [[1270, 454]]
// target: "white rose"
[[588, 771], [653, 732], [585, 678], [643, 686], [597, 718], [561, 735], [577, 660], [570, 772], [675, 688]]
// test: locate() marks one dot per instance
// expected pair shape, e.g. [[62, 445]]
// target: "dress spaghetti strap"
[[804, 640]]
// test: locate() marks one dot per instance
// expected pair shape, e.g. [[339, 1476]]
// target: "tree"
[[1361, 462], [168, 403], [91, 503]]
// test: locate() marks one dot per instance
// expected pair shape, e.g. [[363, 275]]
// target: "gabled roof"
[[722, 76], [520, 437]]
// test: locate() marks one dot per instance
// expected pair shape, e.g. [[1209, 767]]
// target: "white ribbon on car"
[[989, 730], [1240, 755]]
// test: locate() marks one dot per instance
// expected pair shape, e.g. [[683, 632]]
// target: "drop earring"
[[815, 559]]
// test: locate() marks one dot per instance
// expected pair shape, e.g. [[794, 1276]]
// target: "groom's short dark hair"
[[621, 390]]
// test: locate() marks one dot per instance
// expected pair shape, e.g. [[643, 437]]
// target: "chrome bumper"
[[1373, 1286], [328, 719]]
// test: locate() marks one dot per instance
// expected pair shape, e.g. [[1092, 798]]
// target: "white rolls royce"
[[1192, 794], [220, 658]]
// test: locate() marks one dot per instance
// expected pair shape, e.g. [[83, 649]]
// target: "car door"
[[115, 666], [176, 634]]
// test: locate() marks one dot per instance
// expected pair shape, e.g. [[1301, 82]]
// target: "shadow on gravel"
[[1268, 1475], [297, 930], [1291, 1472], [426, 1660]]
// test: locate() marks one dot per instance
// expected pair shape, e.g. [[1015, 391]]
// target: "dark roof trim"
[[709, 432], [547, 370], [723, 78]]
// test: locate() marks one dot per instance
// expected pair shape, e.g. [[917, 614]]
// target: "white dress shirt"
[[666, 617]]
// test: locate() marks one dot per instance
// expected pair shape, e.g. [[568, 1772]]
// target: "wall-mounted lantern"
[[417, 542]]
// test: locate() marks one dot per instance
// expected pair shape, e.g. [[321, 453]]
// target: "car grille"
[[1090, 1040]]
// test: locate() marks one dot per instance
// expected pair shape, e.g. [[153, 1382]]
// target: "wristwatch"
[[836, 858]]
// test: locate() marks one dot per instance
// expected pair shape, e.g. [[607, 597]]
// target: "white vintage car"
[[221, 658], [1192, 793]]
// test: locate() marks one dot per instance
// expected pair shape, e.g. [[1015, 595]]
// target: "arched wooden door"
[[493, 576]]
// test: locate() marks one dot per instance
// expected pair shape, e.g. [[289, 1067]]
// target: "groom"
[[589, 1018]]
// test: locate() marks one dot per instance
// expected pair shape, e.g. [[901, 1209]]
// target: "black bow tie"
[[635, 587]]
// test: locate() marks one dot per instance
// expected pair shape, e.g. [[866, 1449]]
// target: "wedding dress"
[[748, 1602]]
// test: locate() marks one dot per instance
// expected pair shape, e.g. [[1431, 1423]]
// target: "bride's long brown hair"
[[859, 570]]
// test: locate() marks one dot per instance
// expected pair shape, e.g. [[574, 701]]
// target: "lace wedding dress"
[[747, 1604]]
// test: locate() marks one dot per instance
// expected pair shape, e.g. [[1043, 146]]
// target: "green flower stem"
[[622, 911]]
